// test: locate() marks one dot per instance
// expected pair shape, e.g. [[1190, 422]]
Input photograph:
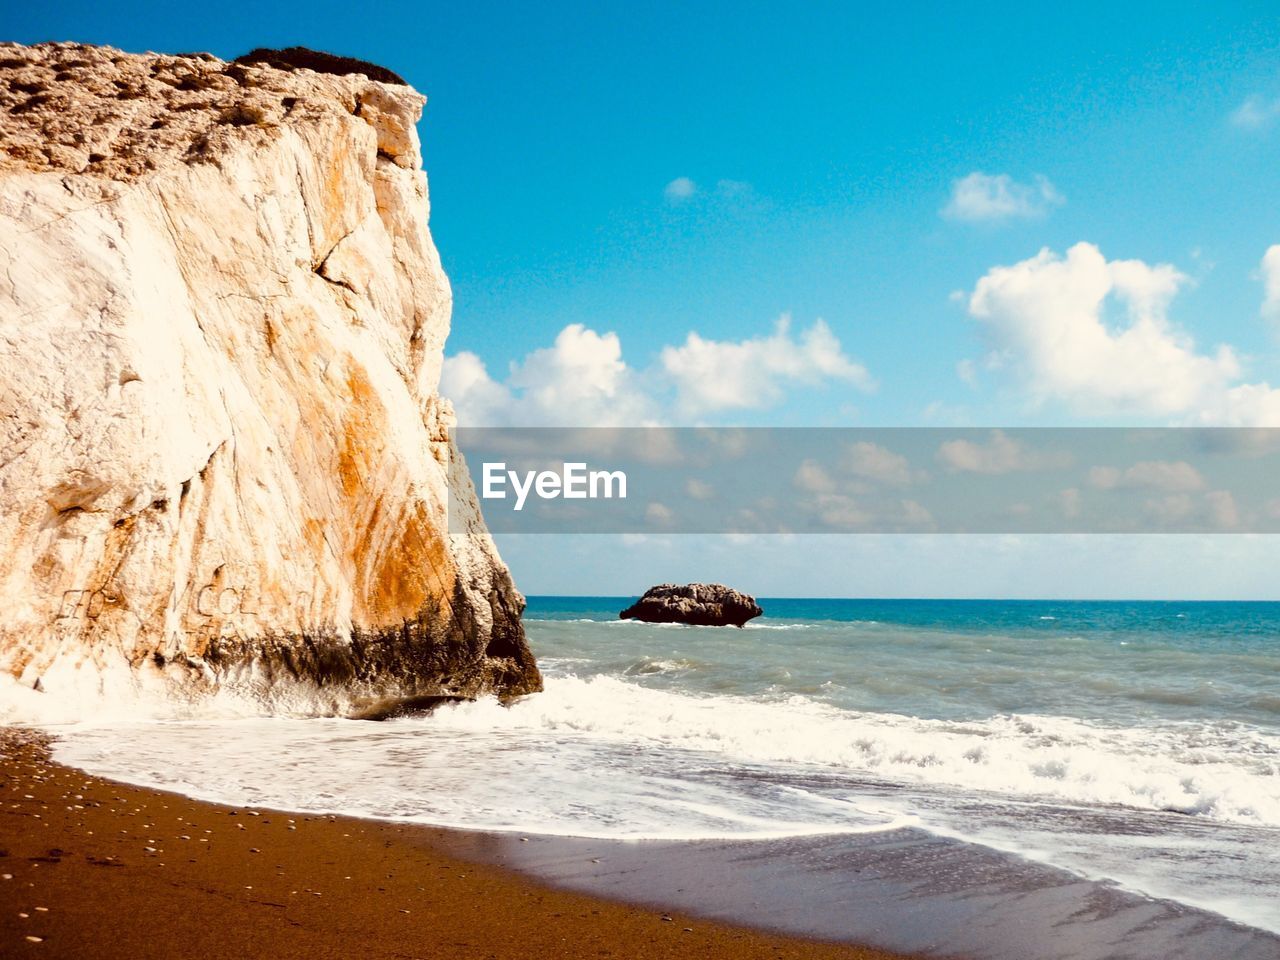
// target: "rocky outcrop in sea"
[[699, 604], [224, 463]]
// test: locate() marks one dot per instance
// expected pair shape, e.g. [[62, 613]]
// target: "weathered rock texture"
[[224, 466], [700, 604]]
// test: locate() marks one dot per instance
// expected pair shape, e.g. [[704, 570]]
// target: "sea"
[[1136, 744]]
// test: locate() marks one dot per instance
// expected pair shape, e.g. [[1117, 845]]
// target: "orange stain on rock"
[[402, 561], [412, 569]]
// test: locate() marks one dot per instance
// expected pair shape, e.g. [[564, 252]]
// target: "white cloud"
[[870, 461], [479, 399], [991, 197], [812, 478], [583, 380], [679, 190], [699, 489], [580, 380], [658, 515], [716, 375], [1048, 318], [1174, 482], [841, 512], [999, 454], [1171, 476], [1255, 113], [1248, 405], [582, 367], [1223, 513], [1216, 510], [1270, 269]]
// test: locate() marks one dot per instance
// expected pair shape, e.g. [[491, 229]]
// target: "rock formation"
[[224, 466], [700, 604]]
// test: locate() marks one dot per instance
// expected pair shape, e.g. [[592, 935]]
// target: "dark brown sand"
[[95, 869]]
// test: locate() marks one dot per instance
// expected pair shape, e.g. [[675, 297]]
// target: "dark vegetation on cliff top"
[[303, 58]]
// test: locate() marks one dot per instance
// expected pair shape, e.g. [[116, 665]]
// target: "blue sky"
[[826, 142], [553, 129]]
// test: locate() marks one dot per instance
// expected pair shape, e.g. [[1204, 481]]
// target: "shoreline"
[[246, 881], [109, 870]]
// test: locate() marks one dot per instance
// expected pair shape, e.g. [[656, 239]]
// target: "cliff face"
[[224, 466]]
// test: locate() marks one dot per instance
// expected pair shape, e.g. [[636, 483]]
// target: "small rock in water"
[[698, 604]]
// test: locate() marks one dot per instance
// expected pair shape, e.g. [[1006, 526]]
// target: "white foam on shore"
[[400, 770], [1225, 772], [608, 758]]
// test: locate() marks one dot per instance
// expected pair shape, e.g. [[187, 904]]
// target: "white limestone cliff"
[[224, 466]]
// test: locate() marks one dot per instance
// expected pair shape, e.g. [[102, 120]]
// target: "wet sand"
[[905, 890], [93, 868]]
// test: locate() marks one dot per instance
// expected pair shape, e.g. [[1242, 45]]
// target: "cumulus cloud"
[[699, 489], [465, 379], [812, 477], [1215, 510], [679, 190], [838, 511], [583, 380], [580, 379], [1095, 334], [995, 197], [715, 375], [871, 461], [1000, 454], [833, 502], [1256, 113], [1176, 476], [659, 515], [1173, 485], [1270, 271]]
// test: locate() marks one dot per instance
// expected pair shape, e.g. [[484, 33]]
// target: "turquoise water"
[[1130, 662], [1137, 744]]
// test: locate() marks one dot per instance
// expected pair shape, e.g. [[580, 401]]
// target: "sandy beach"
[[93, 868]]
